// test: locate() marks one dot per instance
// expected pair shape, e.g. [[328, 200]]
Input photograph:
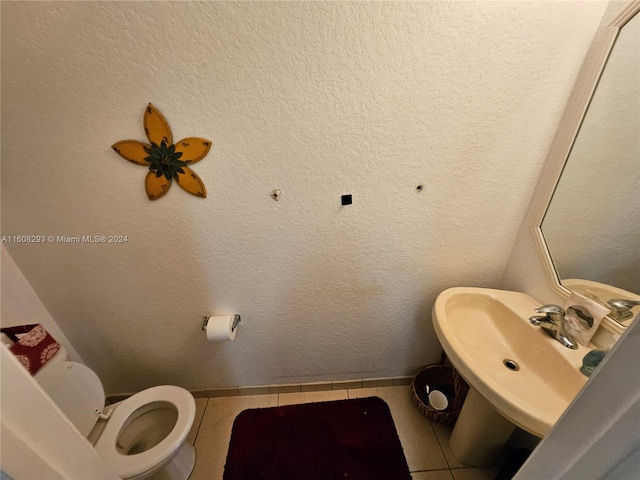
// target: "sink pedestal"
[[480, 433]]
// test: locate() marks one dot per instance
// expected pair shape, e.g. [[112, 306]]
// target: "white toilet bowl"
[[146, 431], [141, 437]]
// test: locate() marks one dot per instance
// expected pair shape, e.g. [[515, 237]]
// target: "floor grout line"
[[440, 445], [195, 438]]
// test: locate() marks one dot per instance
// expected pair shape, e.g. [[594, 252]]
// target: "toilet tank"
[[76, 390]]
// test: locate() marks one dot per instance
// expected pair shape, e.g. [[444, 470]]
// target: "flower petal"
[[156, 186], [156, 127], [190, 182], [193, 149], [133, 151]]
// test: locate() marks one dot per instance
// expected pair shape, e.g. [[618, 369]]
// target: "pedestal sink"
[[518, 375]]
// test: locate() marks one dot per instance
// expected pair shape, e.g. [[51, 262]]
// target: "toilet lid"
[[76, 390]]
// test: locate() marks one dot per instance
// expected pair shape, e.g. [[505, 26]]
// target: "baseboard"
[[301, 387], [284, 388]]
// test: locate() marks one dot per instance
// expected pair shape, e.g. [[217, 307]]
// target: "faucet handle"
[[622, 304], [621, 308], [554, 313]]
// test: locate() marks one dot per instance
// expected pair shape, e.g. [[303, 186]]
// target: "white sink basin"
[[481, 328]]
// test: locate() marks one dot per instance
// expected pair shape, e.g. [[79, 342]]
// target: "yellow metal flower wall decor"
[[166, 160]]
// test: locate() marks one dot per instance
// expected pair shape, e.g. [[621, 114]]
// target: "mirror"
[[592, 224]]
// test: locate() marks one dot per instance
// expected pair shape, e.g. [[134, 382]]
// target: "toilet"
[[141, 437]]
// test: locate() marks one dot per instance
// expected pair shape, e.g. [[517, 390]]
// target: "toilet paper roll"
[[221, 328]]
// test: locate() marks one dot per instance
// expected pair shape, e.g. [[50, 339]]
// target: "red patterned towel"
[[34, 348]]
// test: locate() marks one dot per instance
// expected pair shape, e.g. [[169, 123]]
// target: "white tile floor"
[[425, 444]]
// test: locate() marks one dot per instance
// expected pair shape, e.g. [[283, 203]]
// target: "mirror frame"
[[565, 137]]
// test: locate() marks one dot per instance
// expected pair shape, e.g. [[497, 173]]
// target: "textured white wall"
[[316, 99]]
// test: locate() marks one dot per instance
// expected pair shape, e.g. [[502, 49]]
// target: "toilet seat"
[[128, 466]]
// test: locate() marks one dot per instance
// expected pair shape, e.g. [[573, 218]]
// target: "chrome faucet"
[[622, 308], [554, 324]]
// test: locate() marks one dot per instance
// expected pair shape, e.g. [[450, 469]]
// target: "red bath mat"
[[345, 439]]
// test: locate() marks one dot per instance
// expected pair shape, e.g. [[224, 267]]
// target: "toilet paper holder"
[[234, 323]]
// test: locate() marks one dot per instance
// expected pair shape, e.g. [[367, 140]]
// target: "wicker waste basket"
[[446, 379]]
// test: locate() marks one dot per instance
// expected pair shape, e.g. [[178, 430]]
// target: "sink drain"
[[511, 365]]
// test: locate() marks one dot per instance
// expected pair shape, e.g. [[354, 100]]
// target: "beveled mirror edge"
[[567, 131]]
